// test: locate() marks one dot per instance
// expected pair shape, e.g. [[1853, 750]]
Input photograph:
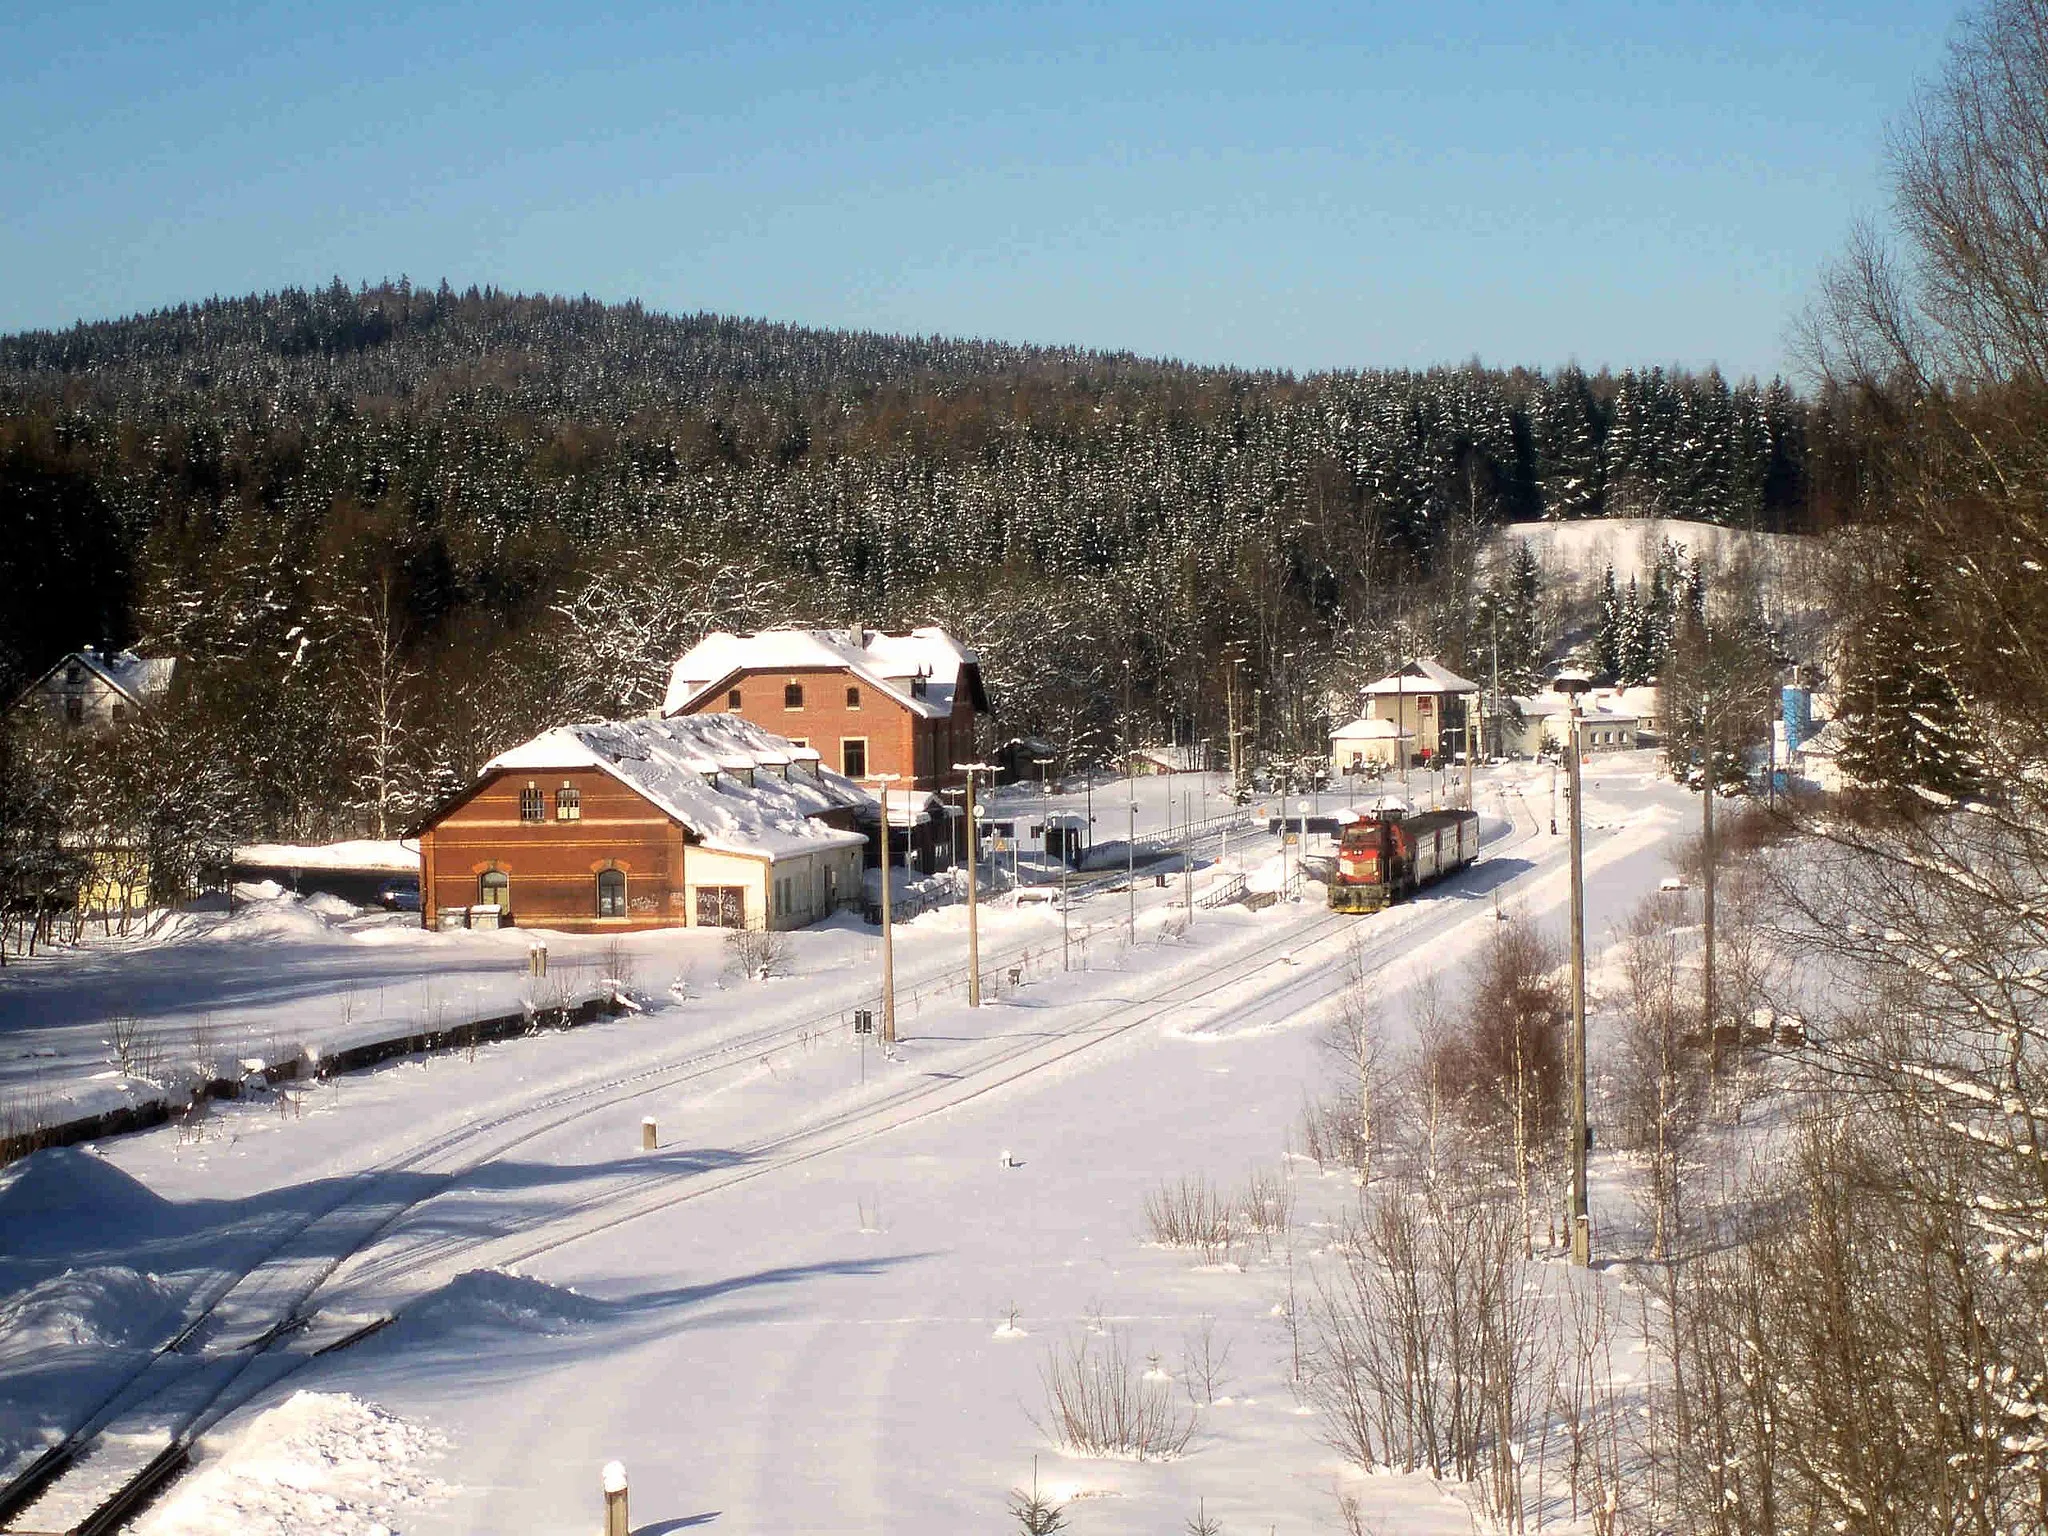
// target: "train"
[[1386, 854]]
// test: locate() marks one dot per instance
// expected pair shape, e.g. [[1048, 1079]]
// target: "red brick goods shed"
[[704, 821]]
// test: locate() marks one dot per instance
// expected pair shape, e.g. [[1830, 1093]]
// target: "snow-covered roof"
[[907, 807], [357, 854], [1423, 676], [1191, 758], [141, 678], [685, 767], [891, 663], [1598, 708], [1372, 728]]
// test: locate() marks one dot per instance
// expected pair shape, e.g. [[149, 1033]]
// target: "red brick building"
[[868, 703], [620, 825]]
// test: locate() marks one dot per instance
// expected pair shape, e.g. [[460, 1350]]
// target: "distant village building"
[[1606, 722], [1429, 703], [868, 703], [706, 821], [91, 687]]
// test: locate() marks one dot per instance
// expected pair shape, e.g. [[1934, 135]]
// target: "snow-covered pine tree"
[[1610, 625], [1906, 726]]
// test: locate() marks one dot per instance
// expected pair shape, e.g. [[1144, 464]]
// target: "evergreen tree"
[[1609, 643], [1907, 730]]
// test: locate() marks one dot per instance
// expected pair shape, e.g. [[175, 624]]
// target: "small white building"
[[1430, 704], [1816, 759], [1366, 745]]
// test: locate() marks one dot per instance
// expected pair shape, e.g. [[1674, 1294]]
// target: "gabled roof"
[[140, 679], [1370, 729], [1423, 676], [890, 663], [686, 767]]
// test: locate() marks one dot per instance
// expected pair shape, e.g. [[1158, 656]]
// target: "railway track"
[[257, 1328]]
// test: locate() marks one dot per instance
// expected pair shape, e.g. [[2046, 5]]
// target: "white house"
[[1366, 745], [1606, 724], [101, 688]]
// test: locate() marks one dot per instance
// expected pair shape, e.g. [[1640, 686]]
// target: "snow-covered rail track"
[[261, 1326]]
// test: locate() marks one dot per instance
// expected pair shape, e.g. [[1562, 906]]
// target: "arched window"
[[853, 698], [611, 893], [494, 889], [792, 695]]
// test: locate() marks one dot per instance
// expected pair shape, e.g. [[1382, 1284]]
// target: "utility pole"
[[973, 879], [1581, 1221], [884, 780], [1131, 861], [1707, 895]]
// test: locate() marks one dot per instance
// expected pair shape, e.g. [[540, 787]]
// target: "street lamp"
[[1572, 684], [973, 879], [883, 781]]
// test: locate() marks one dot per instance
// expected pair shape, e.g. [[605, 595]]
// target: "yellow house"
[[1430, 705]]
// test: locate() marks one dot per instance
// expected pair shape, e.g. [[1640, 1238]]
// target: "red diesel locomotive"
[[1385, 855]]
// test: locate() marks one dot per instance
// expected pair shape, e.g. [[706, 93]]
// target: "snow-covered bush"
[[1098, 1403]]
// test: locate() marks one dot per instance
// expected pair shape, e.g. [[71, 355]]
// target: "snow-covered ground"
[[825, 1300], [1580, 550]]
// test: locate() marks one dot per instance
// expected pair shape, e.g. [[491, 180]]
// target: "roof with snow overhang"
[[1369, 729], [1423, 676], [695, 768], [140, 678], [924, 671]]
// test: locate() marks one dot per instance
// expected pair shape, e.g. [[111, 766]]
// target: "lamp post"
[[883, 781], [1573, 684], [973, 879]]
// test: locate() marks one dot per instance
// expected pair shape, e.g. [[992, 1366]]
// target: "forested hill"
[[522, 507]]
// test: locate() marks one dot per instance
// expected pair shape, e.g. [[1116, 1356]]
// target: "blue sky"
[[1280, 185]]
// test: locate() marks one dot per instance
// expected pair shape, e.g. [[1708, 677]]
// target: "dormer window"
[[532, 804], [792, 695], [568, 803], [917, 687], [732, 699], [853, 698], [744, 775]]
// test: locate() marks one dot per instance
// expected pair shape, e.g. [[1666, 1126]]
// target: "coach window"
[[494, 889], [792, 695], [611, 893]]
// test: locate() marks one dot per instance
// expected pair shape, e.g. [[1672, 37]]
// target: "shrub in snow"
[[1192, 1213], [1099, 1404], [756, 953]]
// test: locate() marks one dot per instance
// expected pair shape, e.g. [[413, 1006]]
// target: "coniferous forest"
[[393, 530]]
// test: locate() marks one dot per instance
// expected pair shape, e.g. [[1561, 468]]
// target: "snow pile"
[[487, 1299], [333, 908], [105, 1305], [319, 1462]]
